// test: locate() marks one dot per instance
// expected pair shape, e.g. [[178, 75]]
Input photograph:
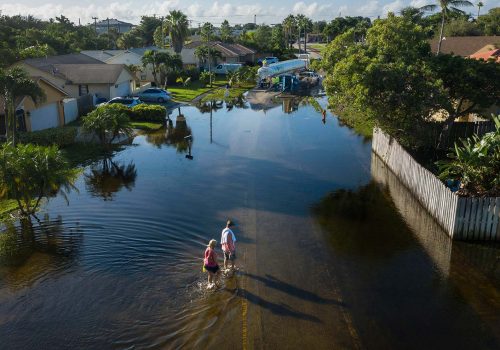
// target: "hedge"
[[150, 113], [63, 136]]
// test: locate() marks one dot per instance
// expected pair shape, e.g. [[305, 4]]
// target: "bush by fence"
[[461, 218], [62, 136]]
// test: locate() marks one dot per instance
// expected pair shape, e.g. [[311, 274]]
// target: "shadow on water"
[[357, 221], [272, 282], [280, 309], [108, 177]]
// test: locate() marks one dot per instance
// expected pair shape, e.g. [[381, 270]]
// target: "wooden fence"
[[462, 130], [460, 218]]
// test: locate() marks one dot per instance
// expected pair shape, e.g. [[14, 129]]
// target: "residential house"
[[111, 23], [487, 55], [81, 75], [48, 113], [127, 57], [230, 53], [464, 45]]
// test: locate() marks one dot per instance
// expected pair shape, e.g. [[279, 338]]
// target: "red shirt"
[[210, 257]]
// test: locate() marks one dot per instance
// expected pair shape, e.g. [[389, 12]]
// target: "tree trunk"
[[441, 32], [298, 40], [305, 41]]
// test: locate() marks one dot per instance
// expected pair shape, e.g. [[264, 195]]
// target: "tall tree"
[[479, 5], [290, 27], [15, 84], [225, 32], [146, 29], [178, 27], [446, 7]]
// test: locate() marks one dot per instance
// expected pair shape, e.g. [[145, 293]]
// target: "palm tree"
[[178, 26], [15, 84], [446, 6], [479, 5], [289, 26]]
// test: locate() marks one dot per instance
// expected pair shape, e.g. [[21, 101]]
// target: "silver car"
[[155, 95]]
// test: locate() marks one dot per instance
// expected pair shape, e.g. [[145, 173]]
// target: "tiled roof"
[[226, 49], [493, 54], [463, 45]]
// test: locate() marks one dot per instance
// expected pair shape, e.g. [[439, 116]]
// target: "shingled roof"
[[226, 49], [463, 45], [90, 73]]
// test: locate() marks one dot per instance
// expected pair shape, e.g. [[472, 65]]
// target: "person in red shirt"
[[210, 263]]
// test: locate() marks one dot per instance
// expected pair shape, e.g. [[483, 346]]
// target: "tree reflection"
[[173, 136], [108, 177], [363, 222], [18, 243]]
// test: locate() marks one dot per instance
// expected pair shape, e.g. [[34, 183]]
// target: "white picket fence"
[[461, 218]]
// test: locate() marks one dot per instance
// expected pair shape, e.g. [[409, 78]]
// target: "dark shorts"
[[229, 255], [212, 269]]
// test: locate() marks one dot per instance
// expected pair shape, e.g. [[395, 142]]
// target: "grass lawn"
[[6, 206], [319, 47], [234, 92], [148, 126], [196, 88]]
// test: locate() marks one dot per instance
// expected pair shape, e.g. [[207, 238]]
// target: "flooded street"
[[332, 251]]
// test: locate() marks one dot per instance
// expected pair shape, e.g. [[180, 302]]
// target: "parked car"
[[155, 95], [268, 60], [126, 101], [225, 68]]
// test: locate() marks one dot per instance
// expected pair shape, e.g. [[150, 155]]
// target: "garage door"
[[45, 117], [123, 89]]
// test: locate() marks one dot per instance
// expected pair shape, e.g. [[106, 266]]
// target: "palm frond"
[[428, 8]]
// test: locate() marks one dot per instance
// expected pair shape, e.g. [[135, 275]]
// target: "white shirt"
[[225, 232]]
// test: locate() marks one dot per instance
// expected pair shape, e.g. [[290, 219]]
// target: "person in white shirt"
[[228, 241]]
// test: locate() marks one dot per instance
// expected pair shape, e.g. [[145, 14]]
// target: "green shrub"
[[63, 136], [153, 113]]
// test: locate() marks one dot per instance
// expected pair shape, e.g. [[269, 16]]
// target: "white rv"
[[225, 68]]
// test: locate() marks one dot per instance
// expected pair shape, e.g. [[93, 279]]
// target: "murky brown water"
[[333, 252]]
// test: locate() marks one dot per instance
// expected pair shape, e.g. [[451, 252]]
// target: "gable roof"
[[226, 49], [72, 58], [492, 54], [90, 73], [102, 55], [463, 45]]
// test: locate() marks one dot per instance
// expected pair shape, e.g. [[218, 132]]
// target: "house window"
[[83, 90]]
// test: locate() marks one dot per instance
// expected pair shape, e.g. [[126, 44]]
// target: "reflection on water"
[[173, 136], [357, 222], [32, 249], [108, 177]]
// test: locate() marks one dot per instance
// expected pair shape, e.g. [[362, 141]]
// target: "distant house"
[[47, 114], [112, 23], [464, 45], [487, 55], [230, 53], [127, 57], [80, 75]]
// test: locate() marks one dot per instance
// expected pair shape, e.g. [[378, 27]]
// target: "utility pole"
[[95, 27], [255, 19], [108, 31]]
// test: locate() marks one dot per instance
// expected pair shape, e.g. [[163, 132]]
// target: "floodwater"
[[332, 251]]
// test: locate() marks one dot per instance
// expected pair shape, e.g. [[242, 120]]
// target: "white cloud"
[[394, 7], [371, 8]]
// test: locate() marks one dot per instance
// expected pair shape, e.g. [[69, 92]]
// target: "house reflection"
[[108, 177]]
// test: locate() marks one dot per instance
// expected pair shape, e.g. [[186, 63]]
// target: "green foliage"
[[129, 40], [61, 137], [15, 84], [378, 81], [490, 23], [340, 25], [107, 122], [476, 163], [36, 51], [162, 63], [178, 26], [153, 113], [30, 172], [462, 28], [225, 32], [207, 77]]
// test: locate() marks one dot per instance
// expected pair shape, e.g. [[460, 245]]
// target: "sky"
[[199, 11]]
